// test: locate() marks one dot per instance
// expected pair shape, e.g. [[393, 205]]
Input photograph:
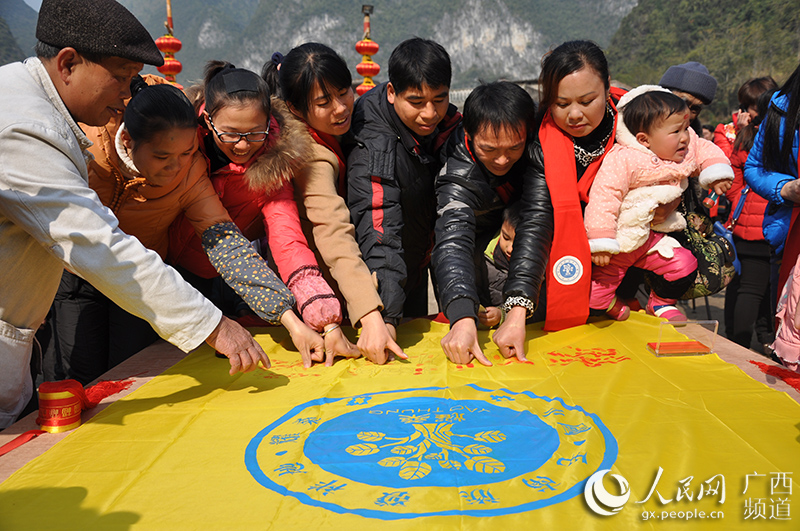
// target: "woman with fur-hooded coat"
[[631, 183], [259, 197]]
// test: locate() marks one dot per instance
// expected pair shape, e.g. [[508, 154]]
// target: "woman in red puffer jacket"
[[747, 299], [253, 150]]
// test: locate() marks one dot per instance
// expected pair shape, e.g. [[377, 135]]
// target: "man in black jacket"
[[485, 170], [399, 128]]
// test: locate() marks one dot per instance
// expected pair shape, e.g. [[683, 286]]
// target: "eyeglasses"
[[233, 138]]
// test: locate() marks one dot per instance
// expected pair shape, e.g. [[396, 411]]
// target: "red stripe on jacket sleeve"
[[377, 204]]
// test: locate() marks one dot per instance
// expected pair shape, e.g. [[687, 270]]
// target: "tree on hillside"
[[735, 40]]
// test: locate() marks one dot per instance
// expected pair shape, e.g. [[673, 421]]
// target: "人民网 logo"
[[600, 500]]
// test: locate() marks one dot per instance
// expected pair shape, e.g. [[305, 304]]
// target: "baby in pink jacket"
[[655, 154]]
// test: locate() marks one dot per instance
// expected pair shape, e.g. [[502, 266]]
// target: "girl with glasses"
[[254, 149], [315, 83]]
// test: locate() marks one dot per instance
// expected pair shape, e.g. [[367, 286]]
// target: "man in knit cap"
[[50, 219], [692, 82]]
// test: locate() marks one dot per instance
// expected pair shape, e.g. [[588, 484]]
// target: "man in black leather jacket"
[[400, 128], [486, 169]]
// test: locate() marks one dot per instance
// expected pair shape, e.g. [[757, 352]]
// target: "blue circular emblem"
[[477, 451], [433, 442], [568, 270]]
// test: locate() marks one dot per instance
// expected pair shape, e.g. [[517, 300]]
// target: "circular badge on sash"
[[568, 270]]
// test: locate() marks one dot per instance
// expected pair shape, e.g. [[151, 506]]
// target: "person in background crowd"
[[50, 219], [708, 132], [692, 82], [747, 297], [749, 92], [317, 88], [399, 128], [484, 171], [497, 257], [254, 149]]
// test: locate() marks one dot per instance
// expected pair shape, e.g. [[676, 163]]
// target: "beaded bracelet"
[[329, 330]]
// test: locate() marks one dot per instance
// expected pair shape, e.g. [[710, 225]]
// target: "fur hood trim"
[[292, 150], [623, 135], [636, 214]]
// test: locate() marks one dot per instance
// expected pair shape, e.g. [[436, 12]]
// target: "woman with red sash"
[[316, 85], [578, 121]]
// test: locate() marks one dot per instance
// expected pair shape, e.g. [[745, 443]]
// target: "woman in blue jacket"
[[771, 171]]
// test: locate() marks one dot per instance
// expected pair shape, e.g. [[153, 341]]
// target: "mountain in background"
[[21, 20], [487, 39], [736, 41], [9, 50]]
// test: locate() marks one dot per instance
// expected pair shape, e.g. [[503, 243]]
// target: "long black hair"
[[156, 108], [777, 151]]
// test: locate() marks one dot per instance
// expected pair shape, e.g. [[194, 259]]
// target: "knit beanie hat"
[[102, 27], [693, 78]]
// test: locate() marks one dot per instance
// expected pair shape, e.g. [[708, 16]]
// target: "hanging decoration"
[[367, 48], [169, 46]]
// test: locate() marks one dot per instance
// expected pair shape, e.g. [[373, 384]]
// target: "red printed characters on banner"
[[512, 360], [591, 357], [291, 369]]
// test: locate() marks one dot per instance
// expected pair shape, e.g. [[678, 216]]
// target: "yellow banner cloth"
[[690, 443]]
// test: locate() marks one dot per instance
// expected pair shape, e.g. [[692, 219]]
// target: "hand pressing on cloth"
[[236, 343], [377, 341], [460, 345]]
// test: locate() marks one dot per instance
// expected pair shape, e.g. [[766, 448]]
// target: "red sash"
[[570, 266]]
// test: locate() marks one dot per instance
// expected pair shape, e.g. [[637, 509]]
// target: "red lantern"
[[171, 67], [368, 68], [169, 44], [367, 47], [365, 87]]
